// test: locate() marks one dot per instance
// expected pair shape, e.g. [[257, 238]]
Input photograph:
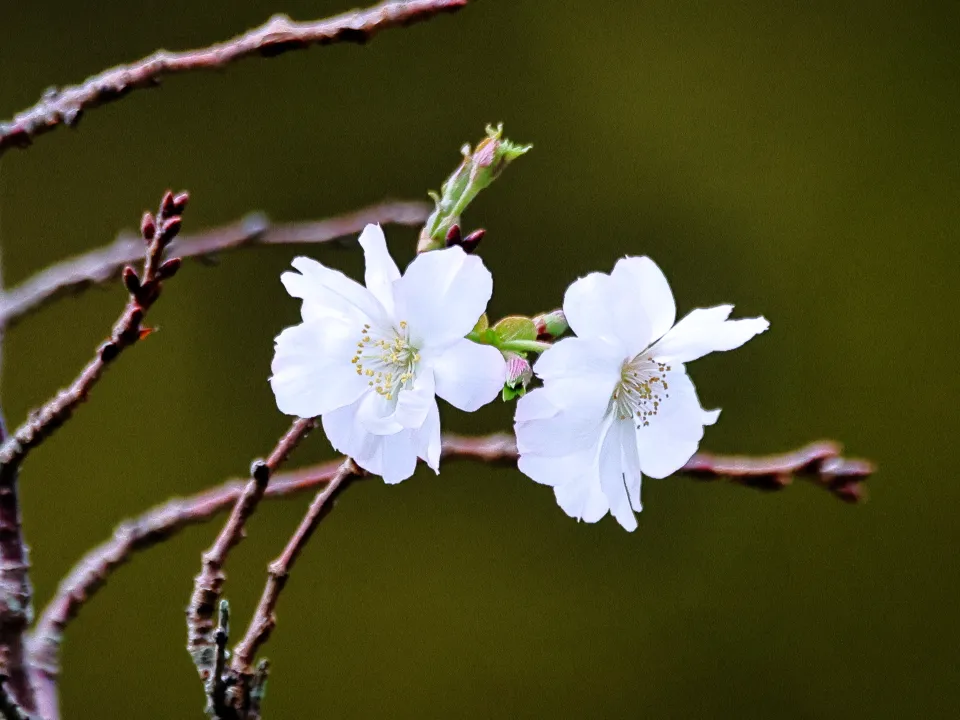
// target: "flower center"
[[641, 390], [389, 361]]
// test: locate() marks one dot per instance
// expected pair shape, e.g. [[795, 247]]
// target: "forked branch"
[[208, 584], [15, 590], [278, 572], [819, 463], [144, 290]]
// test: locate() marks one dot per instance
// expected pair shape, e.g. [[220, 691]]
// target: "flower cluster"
[[615, 403]]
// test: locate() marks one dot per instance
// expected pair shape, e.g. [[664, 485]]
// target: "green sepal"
[[515, 327], [510, 393]]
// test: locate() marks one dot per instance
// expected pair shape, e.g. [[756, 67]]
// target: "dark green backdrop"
[[800, 162]]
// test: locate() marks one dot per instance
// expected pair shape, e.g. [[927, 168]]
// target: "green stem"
[[536, 346]]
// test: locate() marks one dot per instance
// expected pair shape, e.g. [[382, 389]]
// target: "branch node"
[[260, 471], [208, 584], [215, 684]]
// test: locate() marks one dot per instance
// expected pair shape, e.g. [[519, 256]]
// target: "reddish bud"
[[148, 226], [171, 227], [145, 332], [471, 241], [180, 202], [130, 330], [485, 152], [136, 317], [519, 372], [169, 268], [130, 280], [166, 204], [108, 351], [453, 235], [551, 325]]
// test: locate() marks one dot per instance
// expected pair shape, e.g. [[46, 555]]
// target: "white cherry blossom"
[[617, 402], [370, 360]]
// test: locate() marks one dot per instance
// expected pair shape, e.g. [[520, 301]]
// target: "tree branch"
[[16, 594], [141, 533], [276, 36], [9, 709], [104, 264], [127, 331], [264, 618], [15, 590], [819, 463], [208, 584]]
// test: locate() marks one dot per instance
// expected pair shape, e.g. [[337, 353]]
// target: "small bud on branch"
[[478, 169]]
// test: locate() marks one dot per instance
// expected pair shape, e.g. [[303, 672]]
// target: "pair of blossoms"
[[616, 402]]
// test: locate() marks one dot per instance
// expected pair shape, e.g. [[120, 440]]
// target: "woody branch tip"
[[264, 618], [208, 584], [158, 232]]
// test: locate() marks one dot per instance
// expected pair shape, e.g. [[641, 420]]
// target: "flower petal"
[[582, 498], [557, 469], [414, 404], [381, 270], [428, 439], [642, 285], [469, 375], [561, 418], [312, 373], [393, 457], [329, 293], [581, 358], [674, 433], [588, 304], [441, 296], [631, 464], [600, 307], [611, 472], [399, 457], [377, 415], [704, 331], [345, 433], [385, 416]]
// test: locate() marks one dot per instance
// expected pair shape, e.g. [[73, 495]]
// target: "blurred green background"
[[800, 160]]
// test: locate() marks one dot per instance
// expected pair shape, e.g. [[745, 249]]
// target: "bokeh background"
[[800, 160]]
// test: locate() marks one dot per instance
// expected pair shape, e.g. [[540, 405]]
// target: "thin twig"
[[15, 590], [208, 584], [276, 36], [215, 686], [131, 536], [101, 265], [15, 593], [819, 463], [264, 618], [144, 291], [9, 709], [163, 521], [258, 688]]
